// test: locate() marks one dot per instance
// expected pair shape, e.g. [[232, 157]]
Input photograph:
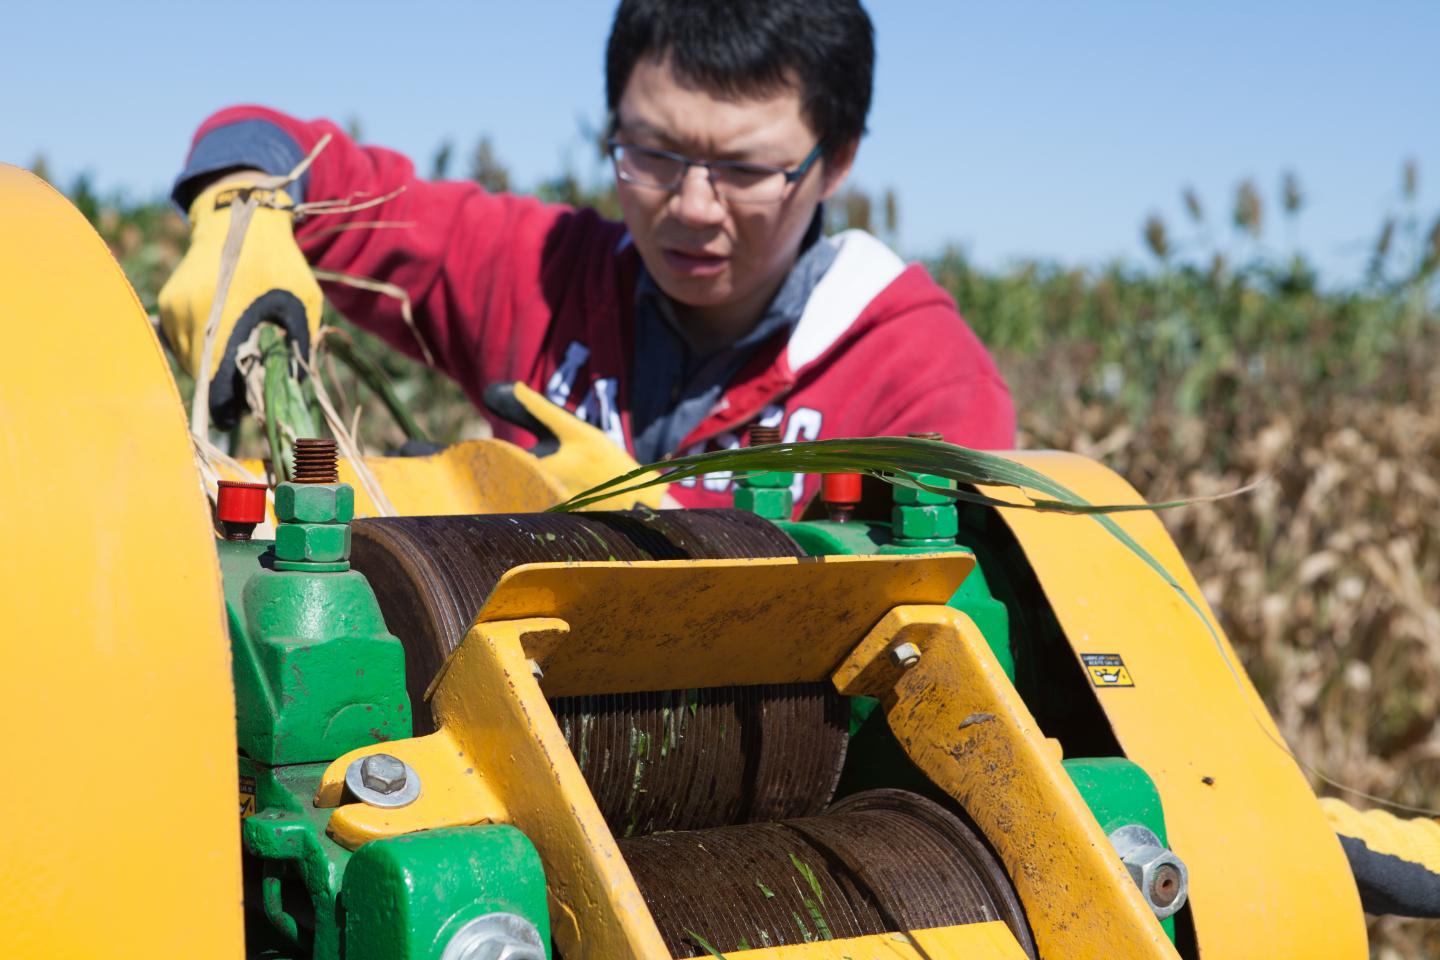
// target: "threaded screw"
[[315, 461], [758, 435]]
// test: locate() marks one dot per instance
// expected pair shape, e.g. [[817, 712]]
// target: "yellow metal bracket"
[[960, 721], [499, 754]]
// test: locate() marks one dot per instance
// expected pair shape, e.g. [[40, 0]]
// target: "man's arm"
[[470, 262]]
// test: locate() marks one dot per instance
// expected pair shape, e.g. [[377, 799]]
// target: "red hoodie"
[[505, 287]]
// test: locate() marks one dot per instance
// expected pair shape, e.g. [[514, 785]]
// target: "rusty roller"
[[876, 862], [667, 760]]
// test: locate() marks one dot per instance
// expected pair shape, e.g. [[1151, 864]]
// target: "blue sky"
[[1014, 129]]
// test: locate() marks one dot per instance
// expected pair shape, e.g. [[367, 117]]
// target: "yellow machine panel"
[[119, 816], [1267, 875]]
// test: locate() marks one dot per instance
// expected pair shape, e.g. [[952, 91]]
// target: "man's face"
[[723, 258]]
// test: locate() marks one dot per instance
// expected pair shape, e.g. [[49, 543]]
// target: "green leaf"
[[704, 944], [895, 460], [898, 460]]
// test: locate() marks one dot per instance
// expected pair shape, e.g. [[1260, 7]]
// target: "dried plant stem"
[[349, 449]]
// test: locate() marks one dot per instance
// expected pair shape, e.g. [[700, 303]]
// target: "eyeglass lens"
[[736, 181]]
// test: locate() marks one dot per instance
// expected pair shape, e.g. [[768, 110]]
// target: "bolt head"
[[772, 503], [905, 656], [383, 773]]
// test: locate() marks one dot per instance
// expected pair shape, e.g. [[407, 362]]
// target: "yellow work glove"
[[570, 450], [1396, 862], [271, 283]]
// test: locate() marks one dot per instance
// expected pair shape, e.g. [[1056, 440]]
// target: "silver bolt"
[[383, 773], [496, 936], [382, 780], [1163, 880], [535, 670], [905, 656]]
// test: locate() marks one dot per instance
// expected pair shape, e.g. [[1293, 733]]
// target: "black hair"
[[747, 48]]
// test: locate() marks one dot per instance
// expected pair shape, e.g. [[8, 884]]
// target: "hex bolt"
[[382, 780], [905, 656], [383, 773], [1161, 876]]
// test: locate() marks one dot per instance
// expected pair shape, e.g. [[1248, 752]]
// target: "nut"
[[383, 773], [905, 656], [1161, 876], [769, 479], [924, 522], [314, 502], [773, 503], [312, 542], [912, 496]]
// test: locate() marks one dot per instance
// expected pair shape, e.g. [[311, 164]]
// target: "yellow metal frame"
[[116, 688], [1268, 877], [499, 755]]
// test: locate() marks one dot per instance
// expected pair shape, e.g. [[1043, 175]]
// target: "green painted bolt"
[[772, 480], [924, 522], [314, 502], [911, 496], [772, 503], [312, 542]]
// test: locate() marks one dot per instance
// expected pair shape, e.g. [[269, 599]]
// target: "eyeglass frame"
[[791, 176]]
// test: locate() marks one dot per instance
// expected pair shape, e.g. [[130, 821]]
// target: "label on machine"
[[247, 795], [1107, 670]]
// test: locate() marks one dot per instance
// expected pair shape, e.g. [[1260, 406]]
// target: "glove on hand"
[[571, 450], [272, 282]]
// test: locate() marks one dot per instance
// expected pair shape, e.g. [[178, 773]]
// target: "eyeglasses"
[[731, 180]]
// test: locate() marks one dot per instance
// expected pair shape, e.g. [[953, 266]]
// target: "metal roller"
[[667, 760], [880, 861]]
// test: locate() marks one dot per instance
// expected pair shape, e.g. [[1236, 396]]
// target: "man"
[[715, 306]]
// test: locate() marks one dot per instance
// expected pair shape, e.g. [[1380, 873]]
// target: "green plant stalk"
[[287, 413], [373, 377]]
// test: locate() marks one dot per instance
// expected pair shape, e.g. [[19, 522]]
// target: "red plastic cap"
[[241, 502], [840, 488]]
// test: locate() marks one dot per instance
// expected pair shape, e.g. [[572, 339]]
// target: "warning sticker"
[[247, 795], [1107, 670]]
